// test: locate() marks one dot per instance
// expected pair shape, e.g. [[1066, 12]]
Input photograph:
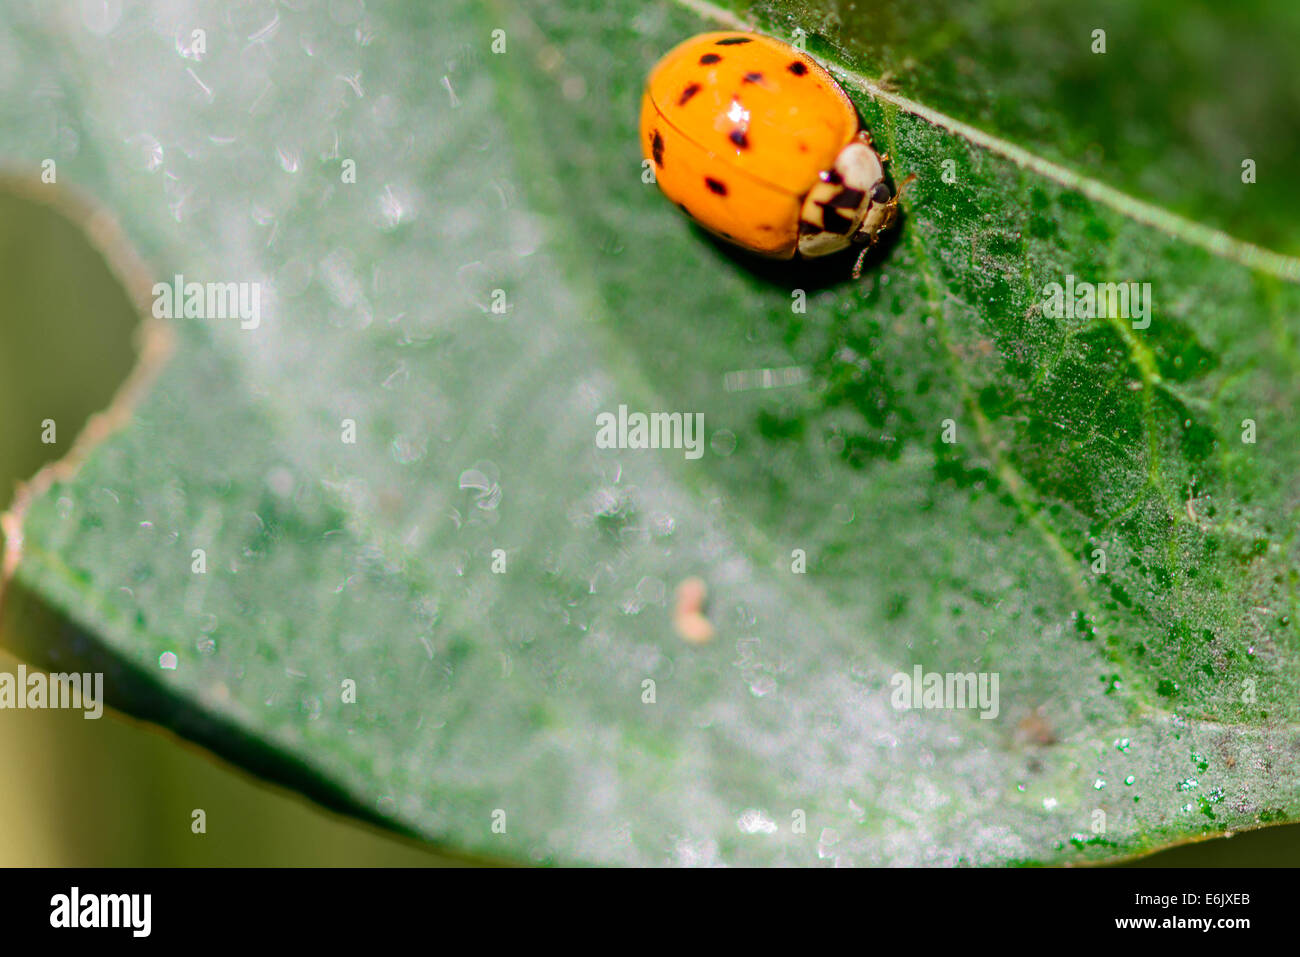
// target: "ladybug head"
[[851, 203], [880, 214]]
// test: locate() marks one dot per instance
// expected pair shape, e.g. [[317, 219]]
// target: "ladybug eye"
[[880, 193]]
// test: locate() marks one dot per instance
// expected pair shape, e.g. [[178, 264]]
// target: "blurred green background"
[[92, 793]]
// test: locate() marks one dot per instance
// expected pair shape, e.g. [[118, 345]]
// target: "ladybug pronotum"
[[757, 143]]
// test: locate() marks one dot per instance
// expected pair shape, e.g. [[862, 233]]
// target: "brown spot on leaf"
[[1035, 729]]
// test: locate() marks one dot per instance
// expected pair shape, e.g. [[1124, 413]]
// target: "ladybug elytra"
[[756, 142]]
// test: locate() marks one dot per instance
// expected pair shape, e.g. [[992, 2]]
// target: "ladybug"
[[757, 143]]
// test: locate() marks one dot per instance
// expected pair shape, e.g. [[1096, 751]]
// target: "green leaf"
[[1161, 691]]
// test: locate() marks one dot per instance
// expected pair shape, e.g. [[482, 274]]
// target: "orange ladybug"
[[758, 144]]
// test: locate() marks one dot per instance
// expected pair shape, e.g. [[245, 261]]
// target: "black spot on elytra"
[[732, 41], [798, 68], [738, 137], [753, 78], [834, 221], [687, 93], [657, 148], [848, 199], [715, 185], [710, 58]]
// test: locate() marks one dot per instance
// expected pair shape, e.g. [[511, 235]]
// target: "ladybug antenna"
[[857, 266], [911, 178]]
